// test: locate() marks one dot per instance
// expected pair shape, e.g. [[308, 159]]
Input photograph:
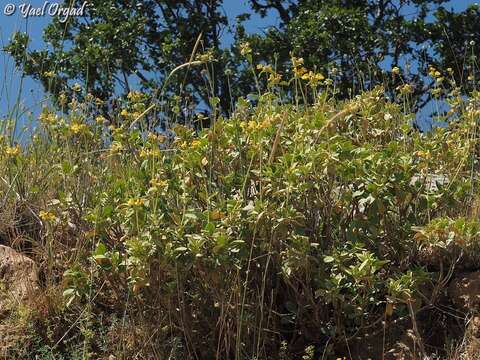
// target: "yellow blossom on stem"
[[136, 202], [297, 61], [252, 125], [76, 87], [274, 79], [265, 124], [144, 153], [315, 78], [196, 143], [100, 120], [245, 49], [135, 96], [47, 118], [405, 89], [12, 151], [116, 147], [47, 216], [206, 57], [157, 185], [77, 129], [300, 71]]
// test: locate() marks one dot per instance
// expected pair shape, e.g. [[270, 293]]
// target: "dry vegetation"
[[283, 232]]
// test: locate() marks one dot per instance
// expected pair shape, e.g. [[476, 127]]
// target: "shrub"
[[281, 230]]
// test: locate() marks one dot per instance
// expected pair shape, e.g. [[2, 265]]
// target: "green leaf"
[[328, 259]]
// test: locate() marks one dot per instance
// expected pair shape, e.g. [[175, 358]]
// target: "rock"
[[18, 277], [464, 292]]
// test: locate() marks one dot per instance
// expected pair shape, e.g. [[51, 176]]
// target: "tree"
[[359, 42], [120, 45]]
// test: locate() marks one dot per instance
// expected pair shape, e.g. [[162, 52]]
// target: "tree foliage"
[[120, 45]]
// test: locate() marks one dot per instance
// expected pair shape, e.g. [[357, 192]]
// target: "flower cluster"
[[273, 77], [78, 129], [47, 216], [298, 68], [156, 185], [135, 96], [12, 151], [48, 118], [145, 153], [405, 89], [136, 202], [245, 49], [313, 78], [301, 72]]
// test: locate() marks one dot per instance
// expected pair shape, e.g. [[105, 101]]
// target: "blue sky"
[[14, 88]]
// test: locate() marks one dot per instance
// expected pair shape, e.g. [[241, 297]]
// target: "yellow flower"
[[405, 89], [436, 91], [12, 151], [196, 143], [274, 79], [265, 68], [265, 124], [432, 71], [62, 99], [78, 128], [252, 125], [136, 202], [116, 147], [297, 61], [299, 71], [49, 74], [76, 87], [125, 113], [100, 120], [135, 96], [396, 70], [47, 216], [315, 78], [206, 57], [245, 49], [47, 118], [157, 184], [144, 153], [216, 215]]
